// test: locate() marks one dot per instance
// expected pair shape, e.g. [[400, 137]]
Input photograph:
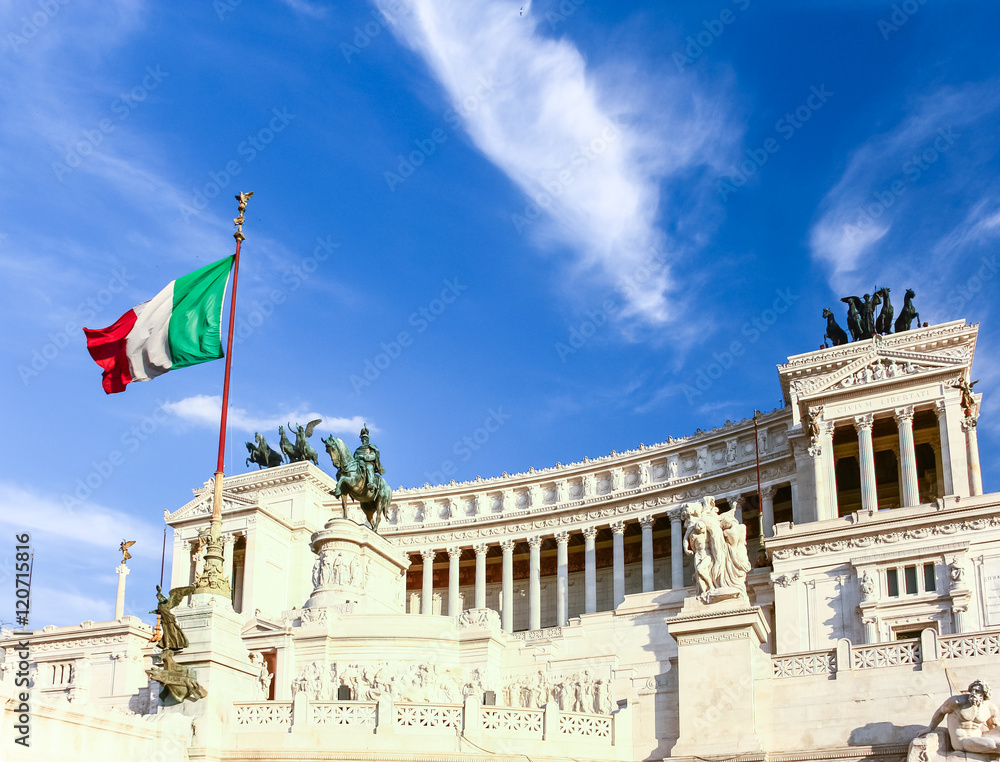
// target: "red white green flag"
[[180, 326]]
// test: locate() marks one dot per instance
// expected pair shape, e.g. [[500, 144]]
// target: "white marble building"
[[551, 613]]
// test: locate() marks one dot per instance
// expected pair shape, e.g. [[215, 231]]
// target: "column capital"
[[618, 527], [428, 554], [507, 546], [969, 423], [676, 515], [481, 549], [454, 552], [229, 539], [646, 521], [769, 491], [903, 414], [863, 422], [535, 541], [590, 532], [122, 569], [562, 538], [815, 451]]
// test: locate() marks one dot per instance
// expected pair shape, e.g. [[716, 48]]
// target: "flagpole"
[[213, 579]]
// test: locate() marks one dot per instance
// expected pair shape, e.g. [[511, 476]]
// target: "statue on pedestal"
[[360, 476], [719, 546], [972, 722]]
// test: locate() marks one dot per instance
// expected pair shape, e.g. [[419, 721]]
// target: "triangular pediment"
[[201, 505]]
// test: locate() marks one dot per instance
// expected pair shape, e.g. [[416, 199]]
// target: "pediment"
[[201, 505], [882, 365]]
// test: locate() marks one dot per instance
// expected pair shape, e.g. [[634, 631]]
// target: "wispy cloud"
[[888, 178], [590, 149], [306, 8], [204, 410]]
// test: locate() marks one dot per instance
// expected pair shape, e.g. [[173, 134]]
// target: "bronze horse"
[[375, 498]]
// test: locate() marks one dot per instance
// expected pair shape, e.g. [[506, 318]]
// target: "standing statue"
[[302, 449], [853, 316], [834, 332], [719, 546], [908, 313], [173, 638], [968, 398], [261, 453], [972, 721], [360, 476], [883, 324]]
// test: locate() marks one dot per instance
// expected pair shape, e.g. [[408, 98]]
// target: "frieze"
[[888, 538], [690, 640], [82, 643]]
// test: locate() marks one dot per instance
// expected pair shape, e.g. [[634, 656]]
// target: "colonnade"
[[824, 462], [562, 539]]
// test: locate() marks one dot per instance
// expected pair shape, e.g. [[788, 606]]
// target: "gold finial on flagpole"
[[238, 221]]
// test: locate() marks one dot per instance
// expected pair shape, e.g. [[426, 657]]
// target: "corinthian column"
[[481, 550], [618, 537], [907, 456], [972, 448], [589, 570], [427, 592], [676, 550], [646, 522], [534, 584], [454, 607], [562, 578], [869, 497], [507, 609]]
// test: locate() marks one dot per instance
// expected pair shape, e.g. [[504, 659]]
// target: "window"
[[912, 579]]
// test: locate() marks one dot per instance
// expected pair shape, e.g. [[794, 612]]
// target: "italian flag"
[[180, 326]]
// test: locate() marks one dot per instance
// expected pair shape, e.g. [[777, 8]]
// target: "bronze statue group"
[[862, 321]]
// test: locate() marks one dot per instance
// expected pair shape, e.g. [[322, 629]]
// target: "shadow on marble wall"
[[881, 733]]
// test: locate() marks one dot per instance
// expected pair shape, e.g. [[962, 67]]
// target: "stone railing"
[[506, 719], [600, 736], [896, 653], [968, 645], [891, 654], [341, 713], [805, 663], [264, 715]]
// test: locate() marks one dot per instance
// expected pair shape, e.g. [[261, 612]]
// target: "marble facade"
[[554, 613]]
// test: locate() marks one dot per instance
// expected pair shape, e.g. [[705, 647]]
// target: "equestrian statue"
[[862, 322], [262, 454], [360, 476]]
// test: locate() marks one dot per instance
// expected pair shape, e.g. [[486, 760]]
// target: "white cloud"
[[892, 173], [204, 410], [306, 8], [591, 149]]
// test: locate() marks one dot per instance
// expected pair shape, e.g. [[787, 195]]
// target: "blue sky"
[[554, 216]]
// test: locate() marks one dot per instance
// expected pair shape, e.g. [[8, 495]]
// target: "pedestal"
[[720, 666], [356, 571], [222, 667]]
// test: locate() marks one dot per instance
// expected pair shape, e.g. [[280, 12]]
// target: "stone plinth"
[[222, 666], [356, 571], [719, 664]]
